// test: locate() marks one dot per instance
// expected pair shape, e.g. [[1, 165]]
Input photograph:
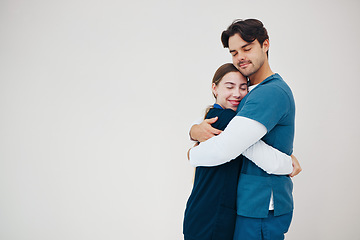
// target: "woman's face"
[[230, 90]]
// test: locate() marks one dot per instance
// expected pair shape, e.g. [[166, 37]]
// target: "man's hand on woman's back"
[[204, 131]]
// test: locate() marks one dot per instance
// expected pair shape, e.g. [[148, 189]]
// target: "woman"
[[211, 209]]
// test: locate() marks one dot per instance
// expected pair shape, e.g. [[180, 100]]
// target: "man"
[[267, 112]]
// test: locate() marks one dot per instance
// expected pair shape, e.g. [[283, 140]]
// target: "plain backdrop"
[[97, 97]]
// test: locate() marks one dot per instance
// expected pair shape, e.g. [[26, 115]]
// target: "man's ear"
[[266, 45]]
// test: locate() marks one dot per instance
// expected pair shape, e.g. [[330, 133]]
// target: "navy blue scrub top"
[[211, 209]]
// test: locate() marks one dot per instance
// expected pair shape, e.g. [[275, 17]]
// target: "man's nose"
[[240, 57]]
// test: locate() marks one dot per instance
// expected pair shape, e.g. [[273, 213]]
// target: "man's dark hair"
[[248, 29]]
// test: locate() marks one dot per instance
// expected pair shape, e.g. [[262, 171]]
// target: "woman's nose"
[[237, 93]]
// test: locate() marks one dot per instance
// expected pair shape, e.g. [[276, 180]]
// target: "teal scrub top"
[[271, 103]]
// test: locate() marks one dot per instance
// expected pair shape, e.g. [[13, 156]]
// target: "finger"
[[209, 135], [216, 131], [295, 172], [213, 130], [211, 120]]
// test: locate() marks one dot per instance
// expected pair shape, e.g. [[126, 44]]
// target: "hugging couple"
[[243, 152]]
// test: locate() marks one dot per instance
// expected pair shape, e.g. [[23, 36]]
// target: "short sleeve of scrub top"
[[266, 104]]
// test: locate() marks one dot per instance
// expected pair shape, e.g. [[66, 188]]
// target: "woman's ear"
[[214, 87]]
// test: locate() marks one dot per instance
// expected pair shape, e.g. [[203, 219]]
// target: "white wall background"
[[96, 98]]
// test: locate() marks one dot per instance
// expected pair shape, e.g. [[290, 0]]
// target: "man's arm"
[[239, 135], [269, 158], [266, 157]]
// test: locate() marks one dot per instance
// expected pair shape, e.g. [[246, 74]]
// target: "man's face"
[[247, 57]]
